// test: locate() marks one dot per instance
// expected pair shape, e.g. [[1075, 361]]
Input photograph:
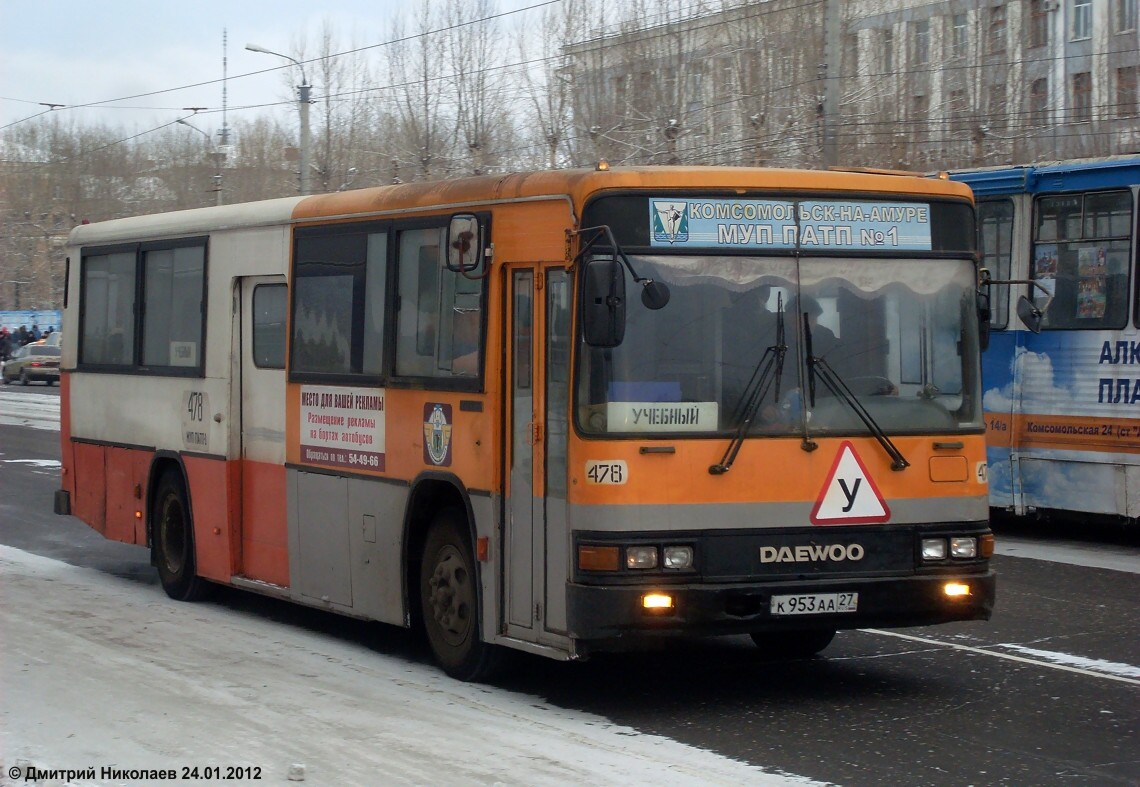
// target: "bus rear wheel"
[[793, 644], [449, 601], [173, 534]]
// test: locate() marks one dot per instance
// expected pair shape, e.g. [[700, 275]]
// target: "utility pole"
[[303, 92]]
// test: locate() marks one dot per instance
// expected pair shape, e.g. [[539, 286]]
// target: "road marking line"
[[1006, 656]]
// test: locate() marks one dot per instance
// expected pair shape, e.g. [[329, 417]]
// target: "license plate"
[[814, 603]]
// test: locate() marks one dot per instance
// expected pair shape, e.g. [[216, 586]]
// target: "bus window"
[[440, 313], [1080, 258], [107, 330], [338, 311], [172, 306], [169, 320], [269, 326], [995, 231]]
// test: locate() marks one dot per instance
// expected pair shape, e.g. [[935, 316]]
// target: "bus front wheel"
[[449, 601], [174, 541], [793, 644]]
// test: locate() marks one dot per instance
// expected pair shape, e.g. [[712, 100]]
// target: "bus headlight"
[[678, 557], [641, 557], [964, 547], [933, 549]]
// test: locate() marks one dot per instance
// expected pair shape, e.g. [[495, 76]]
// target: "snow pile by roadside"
[[97, 673]]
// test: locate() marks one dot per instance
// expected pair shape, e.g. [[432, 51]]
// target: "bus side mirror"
[[603, 303], [1029, 314], [464, 249]]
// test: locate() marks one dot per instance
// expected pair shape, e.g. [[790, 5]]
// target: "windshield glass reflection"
[[900, 334]]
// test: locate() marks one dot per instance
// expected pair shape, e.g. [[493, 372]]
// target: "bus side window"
[[439, 319], [1081, 259], [995, 225], [106, 321], [338, 309], [269, 325]]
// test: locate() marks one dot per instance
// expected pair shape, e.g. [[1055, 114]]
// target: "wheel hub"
[[451, 596]]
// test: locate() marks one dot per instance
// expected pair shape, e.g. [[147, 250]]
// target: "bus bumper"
[[606, 612]]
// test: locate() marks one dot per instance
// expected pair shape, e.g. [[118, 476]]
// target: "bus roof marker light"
[[602, 165]]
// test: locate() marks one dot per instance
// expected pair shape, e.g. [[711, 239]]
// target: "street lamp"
[[303, 105], [216, 155]]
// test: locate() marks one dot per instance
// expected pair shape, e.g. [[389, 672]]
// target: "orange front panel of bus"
[[765, 470]]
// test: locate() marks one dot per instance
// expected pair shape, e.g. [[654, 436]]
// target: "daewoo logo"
[[811, 553]]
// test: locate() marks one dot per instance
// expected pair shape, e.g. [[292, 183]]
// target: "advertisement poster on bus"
[[342, 427], [1062, 410]]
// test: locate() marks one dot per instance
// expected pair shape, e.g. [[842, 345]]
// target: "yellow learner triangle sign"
[[849, 496]]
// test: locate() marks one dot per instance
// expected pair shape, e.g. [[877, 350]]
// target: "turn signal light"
[[595, 558], [986, 545]]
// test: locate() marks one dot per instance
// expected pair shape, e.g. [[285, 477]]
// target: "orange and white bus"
[[560, 412]]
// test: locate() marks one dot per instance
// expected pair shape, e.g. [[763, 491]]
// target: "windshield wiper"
[[769, 371], [834, 383]]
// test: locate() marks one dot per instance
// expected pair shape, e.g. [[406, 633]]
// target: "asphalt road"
[[1048, 692]]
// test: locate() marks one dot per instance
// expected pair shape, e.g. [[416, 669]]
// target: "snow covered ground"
[[97, 672], [20, 407]]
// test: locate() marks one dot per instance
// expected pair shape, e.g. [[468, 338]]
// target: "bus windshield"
[[900, 334]]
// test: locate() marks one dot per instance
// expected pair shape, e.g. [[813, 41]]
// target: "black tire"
[[792, 644], [173, 534], [449, 601]]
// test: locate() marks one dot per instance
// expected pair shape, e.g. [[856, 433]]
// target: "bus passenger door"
[[523, 509], [536, 561], [263, 548]]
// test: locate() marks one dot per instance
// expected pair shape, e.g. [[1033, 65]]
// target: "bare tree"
[[474, 61], [346, 110], [425, 134]]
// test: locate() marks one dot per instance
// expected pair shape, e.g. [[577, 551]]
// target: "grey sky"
[[68, 52]]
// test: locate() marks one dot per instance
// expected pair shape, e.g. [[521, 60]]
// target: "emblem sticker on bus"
[[607, 471], [437, 434]]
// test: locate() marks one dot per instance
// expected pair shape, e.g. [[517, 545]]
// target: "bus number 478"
[[607, 472]]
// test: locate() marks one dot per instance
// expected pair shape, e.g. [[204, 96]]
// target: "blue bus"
[[1061, 375]]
